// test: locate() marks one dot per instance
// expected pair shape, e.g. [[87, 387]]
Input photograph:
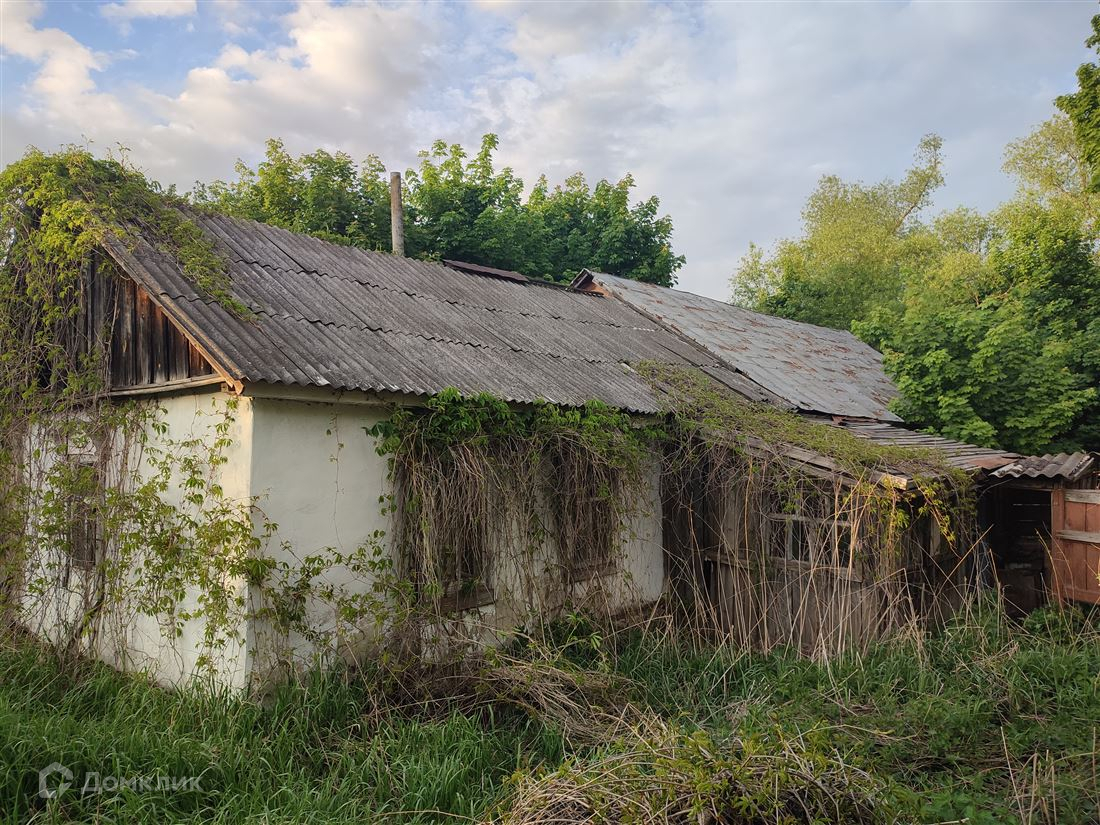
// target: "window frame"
[[461, 592], [83, 529], [844, 561]]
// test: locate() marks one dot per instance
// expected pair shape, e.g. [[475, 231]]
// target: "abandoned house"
[[338, 338]]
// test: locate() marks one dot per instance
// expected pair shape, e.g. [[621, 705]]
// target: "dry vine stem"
[[767, 550]]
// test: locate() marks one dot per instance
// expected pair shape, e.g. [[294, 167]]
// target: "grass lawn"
[[986, 721]]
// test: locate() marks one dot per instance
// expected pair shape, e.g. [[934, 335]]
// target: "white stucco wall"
[[320, 478], [54, 600], [314, 473]]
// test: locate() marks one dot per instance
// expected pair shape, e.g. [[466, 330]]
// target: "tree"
[[458, 207], [319, 193], [1083, 108], [599, 229], [1050, 168], [858, 246], [989, 324], [999, 343]]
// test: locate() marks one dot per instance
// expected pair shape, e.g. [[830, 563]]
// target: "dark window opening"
[[463, 569], [585, 515], [82, 513]]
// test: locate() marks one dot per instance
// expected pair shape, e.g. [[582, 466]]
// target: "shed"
[[1045, 528], [1038, 513]]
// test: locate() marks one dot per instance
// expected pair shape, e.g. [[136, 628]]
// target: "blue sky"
[[729, 112]]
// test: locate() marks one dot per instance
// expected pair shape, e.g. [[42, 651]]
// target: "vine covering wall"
[[104, 514]]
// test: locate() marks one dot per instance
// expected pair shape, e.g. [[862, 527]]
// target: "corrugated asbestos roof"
[[349, 319], [814, 368], [345, 318], [1067, 466]]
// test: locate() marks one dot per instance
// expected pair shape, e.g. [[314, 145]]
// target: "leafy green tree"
[[999, 342], [323, 194], [467, 210], [1083, 108], [859, 245], [458, 207], [1050, 167], [989, 324], [599, 229]]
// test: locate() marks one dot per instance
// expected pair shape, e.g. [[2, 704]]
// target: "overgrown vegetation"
[[58, 209], [509, 504], [524, 507], [984, 722], [786, 531], [103, 513]]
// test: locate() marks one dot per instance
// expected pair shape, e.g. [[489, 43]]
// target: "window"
[[82, 514], [464, 569], [585, 513], [810, 541]]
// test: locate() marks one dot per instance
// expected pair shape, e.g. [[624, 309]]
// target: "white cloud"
[[63, 90], [131, 9], [236, 17], [730, 112]]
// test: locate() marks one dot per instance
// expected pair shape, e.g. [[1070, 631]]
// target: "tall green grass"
[[986, 721]]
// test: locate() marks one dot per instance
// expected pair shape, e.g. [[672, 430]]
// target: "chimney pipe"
[[397, 215]]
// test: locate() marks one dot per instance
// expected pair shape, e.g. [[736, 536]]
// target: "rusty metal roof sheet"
[[815, 368], [344, 318], [1063, 466], [956, 453]]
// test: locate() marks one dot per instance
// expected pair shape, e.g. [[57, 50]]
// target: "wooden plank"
[[1085, 536], [196, 364], [122, 354], [1083, 496], [224, 365], [143, 338], [159, 346], [169, 386], [177, 353], [1059, 564]]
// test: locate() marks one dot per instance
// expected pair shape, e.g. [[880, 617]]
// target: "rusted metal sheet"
[[814, 368]]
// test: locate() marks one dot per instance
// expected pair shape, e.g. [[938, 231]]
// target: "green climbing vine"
[[60, 208], [105, 516]]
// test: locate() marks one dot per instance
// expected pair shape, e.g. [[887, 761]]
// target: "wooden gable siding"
[[145, 348]]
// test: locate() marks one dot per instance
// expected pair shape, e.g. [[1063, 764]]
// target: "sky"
[[729, 112]]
